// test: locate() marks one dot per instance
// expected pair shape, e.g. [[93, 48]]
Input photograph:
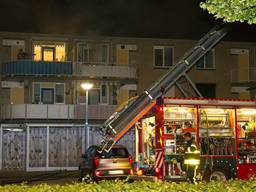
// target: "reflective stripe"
[[112, 129], [148, 95]]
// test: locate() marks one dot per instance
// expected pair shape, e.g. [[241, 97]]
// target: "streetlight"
[[86, 87]]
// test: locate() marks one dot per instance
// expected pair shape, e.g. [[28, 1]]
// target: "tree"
[[232, 10]]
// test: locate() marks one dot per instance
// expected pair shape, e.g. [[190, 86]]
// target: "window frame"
[[205, 61], [47, 89], [64, 95], [162, 47], [107, 58], [43, 49], [77, 50], [48, 44], [98, 53], [40, 101], [107, 94]]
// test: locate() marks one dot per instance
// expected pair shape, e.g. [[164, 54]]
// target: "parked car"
[[117, 163]]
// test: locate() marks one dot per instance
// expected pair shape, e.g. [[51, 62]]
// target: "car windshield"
[[115, 153]]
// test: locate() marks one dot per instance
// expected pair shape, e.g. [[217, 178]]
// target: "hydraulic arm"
[[120, 122]]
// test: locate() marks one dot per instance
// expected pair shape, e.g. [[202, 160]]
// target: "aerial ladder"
[[121, 121]]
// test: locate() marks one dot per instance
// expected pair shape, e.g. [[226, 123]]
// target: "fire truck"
[[214, 124], [224, 130]]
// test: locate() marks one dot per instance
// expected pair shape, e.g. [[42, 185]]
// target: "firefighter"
[[191, 157], [189, 140]]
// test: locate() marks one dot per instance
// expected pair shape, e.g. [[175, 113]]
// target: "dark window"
[[103, 90], [94, 96], [104, 94], [163, 56], [36, 93], [207, 90], [104, 53], [158, 57], [115, 153], [47, 95], [59, 95], [207, 61], [167, 56], [82, 53]]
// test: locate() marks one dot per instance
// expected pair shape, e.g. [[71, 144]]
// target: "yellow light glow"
[[139, 172], [247, 111], [37, 53], [86, 86], [60, 52], [192, 161], [214, 111], [48, 54], [178, 109]]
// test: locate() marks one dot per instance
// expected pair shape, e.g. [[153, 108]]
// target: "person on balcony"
[[22, 55]]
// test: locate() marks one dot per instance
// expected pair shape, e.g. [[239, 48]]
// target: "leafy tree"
[[232, 10]]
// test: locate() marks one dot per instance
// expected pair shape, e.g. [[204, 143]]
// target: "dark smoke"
[[137, 18]]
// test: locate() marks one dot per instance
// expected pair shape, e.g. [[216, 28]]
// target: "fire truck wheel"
[[216, 175]]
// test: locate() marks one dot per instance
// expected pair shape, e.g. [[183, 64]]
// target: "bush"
[[115, 186]]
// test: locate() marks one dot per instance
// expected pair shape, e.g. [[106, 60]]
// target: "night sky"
[[134, 18]]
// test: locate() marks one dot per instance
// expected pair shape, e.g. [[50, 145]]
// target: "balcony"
[[29, 67], [58, 111], [107, 70], [243, 75]]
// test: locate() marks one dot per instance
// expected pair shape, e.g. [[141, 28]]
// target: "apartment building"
[[43, 104]]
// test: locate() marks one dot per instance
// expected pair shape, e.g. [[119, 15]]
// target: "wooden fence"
[[47, 147]]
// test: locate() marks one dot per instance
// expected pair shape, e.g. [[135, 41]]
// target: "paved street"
[[60, 177]]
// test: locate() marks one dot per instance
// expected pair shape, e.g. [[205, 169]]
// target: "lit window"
[[49, 51], [60, 52], [37, 53]]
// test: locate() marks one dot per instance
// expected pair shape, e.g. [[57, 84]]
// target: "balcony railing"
[[29, 67], [108, 70], [58, 111], [243, 75]]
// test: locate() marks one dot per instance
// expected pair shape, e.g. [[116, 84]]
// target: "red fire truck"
[[224, 130]]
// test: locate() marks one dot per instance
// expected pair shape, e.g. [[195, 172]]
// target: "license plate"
[[116, 172]]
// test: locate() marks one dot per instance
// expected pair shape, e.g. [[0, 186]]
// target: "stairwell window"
[[163, 56], [207, 61]]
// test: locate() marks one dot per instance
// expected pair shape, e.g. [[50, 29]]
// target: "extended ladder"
[[120, 122]]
